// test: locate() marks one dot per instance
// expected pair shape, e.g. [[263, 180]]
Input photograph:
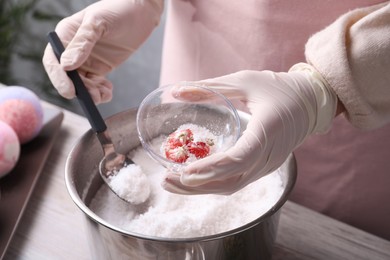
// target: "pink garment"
[[345, 173]]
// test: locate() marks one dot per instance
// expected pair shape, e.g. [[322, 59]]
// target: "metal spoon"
[[112, 161]]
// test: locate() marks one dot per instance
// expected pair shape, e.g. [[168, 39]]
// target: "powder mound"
[[131, 184], [169, 215]]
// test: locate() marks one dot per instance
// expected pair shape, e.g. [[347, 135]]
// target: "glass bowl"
[[164, 118]]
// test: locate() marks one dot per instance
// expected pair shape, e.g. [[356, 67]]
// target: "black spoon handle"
[[88, 106]]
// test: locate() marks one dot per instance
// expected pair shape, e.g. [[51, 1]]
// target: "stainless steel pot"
[[251, 241]]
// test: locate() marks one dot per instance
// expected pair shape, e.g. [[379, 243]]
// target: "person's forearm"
[[352, 54]]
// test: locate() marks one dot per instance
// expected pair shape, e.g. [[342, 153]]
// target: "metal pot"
[[251, 241]]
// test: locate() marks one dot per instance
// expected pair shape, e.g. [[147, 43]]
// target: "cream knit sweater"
[[353, 55]]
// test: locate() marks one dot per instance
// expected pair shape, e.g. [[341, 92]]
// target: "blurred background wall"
[[23, 28]]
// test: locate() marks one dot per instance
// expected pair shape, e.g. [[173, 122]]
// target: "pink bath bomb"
[[9, 149], [22, 110]]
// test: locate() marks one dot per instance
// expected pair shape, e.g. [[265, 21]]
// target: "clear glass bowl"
[[162, 112]]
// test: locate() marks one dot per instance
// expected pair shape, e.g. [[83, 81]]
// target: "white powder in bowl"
[[169, 215], [189, 143]]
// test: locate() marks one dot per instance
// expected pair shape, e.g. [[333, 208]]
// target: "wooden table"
[[52, 226]]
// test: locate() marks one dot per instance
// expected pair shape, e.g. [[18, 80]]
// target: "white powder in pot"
[[170, 215], [131, 184]]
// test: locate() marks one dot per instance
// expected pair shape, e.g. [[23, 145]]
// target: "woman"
[[343, 171]]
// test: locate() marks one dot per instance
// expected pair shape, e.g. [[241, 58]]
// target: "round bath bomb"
[[22, 110], [9, 148]]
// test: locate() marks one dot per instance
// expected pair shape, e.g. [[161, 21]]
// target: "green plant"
[[23, 28], [12, 17]]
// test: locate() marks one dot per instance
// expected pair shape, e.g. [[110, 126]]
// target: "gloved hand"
[[285, 108], [98, 39]]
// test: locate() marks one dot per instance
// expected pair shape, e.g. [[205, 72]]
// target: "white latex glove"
[[98, 39], [285, 109]]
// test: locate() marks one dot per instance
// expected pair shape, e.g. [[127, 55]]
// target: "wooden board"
[[16, 187]]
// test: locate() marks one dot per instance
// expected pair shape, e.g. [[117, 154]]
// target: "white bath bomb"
[[22, 110], [9, 149]]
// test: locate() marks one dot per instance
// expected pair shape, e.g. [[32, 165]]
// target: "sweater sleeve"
[[353, 55]]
